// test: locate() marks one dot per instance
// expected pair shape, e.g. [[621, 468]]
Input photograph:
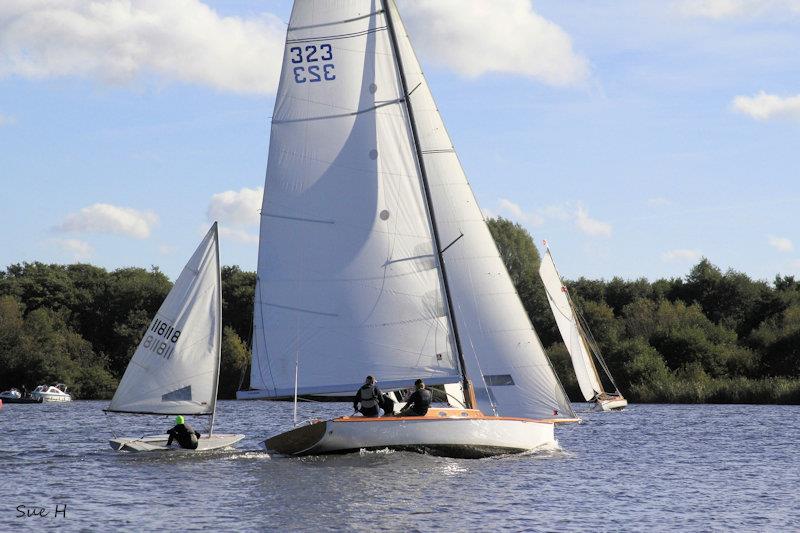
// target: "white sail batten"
[[503, 355], [348, 279], [568, 326], [175, 368]]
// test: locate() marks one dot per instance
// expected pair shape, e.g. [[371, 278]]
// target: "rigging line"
[[336, 37], [341, 115], [335, 22]]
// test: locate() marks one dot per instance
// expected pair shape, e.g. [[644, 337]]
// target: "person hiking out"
[[184, 434]]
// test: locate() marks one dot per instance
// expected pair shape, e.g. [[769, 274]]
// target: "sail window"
[[498, 380], [373, 154], [184, 394]]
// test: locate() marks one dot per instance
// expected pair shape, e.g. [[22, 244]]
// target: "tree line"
[[711, 336]]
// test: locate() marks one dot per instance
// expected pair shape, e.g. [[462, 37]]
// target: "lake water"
[[648, 468]]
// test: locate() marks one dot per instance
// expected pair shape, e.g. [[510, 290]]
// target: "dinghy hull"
[[612, 404], [462, 433], [158, 443]]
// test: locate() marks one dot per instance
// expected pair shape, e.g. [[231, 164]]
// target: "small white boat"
[[158, 443], [12, 394], [461, 433], [610, 402], [175, 369], [51, 393], [578, 339]]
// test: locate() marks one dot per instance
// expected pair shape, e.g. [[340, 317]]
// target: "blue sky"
[[635, 136]]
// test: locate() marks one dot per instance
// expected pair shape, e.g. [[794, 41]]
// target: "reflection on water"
[[650, 467]]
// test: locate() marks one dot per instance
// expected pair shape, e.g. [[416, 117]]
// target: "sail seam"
[[336, 37], [334, 23], [340, 115]]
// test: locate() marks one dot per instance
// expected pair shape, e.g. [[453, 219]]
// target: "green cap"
[[179, 419]]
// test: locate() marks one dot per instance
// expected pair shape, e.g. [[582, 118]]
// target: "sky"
[[636, 137]]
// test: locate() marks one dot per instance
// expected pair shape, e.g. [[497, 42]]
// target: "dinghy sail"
[[374, 257], [175, 369], [578, 340]]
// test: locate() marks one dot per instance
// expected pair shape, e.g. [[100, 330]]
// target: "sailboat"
[[578, 339], [175, 369], [374, 257]]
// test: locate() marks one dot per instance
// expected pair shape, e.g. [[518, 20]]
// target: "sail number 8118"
[[312, 54]]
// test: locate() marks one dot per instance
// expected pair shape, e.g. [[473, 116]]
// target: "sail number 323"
[[311, 63], [161, 338]]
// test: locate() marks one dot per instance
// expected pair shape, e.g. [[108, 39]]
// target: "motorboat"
[[51, 393], [15, 396]]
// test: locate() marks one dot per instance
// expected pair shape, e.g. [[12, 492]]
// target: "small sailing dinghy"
[[175, 369], [374, 257], [578, 339]]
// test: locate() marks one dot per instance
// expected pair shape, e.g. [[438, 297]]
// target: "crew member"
[[419, 402], [367, 398], [184, 434]]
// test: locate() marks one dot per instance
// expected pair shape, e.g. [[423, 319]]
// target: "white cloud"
[[474, 37], [658, 201], [106, 218], [79, 250], [238, 235], [782, 244], [765, 106], [591, 226], [682, 255], [568, 212], [518, 214], [236, 207], [118, 41], [721, 9]]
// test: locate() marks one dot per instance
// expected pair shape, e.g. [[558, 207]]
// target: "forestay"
[[567, 322], [175, 368], [348, 280], [504, 357]]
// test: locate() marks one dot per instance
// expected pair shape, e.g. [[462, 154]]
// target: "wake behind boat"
[[374, 256], [175, 369]]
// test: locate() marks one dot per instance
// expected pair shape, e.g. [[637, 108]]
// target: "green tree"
[[235, 358]]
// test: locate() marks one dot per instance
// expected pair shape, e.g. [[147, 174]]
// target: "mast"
[[219, 329], [466, 385]]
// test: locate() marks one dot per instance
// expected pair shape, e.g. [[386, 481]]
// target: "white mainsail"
[[568, 325], [175, 368], [505, 360], [348, 279]]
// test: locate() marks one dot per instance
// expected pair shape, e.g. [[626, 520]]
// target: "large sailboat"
[[374, 257], [580, 343], [175, 368]]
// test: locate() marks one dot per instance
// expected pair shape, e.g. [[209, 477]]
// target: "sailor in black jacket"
[[184, 434], [419, 402]]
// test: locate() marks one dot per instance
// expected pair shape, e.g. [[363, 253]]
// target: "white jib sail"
[[567, 322], [348, 281], [175, 369], [505, 359]]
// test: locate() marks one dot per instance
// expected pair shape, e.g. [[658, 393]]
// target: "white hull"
[[158, 443], [613, 404], [51, 397], [448, 432]]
